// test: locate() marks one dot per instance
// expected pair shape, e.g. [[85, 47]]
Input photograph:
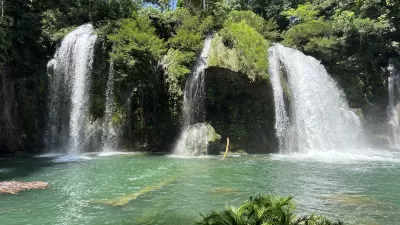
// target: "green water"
[[357, 189]]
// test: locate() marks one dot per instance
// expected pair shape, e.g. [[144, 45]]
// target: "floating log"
[[224, 190], [127, 198], [14, 187]]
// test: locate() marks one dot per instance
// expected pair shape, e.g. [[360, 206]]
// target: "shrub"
[[136, 49], [264, 210]]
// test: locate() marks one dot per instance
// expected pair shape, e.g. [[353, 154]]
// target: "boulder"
[[198, 139], [213, 139]]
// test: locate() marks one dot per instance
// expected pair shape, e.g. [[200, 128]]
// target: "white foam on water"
[[48, 155], [191, 157], [72, 158], [342, 157], [110, 153]]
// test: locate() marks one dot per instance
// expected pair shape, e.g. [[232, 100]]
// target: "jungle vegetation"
[[354, 39]]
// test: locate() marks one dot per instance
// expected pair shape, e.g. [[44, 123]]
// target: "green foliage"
[[164, 22], [348, 23], [223, 56], [53, 27], [186, 41], [305, 13], [136, 53], [264, 210], [251, 47], [313, 34], [348, 38], [135, 42], [61, 18], [190, 31], [118, 118], [267, 9], [219, 11], [265, 27], [177, 64], [198, 6]]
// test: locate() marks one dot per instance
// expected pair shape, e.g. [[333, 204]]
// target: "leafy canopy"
[[136, 47]]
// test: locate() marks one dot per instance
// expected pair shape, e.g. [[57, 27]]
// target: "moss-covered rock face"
[[240, 48], [241, 109], [239, 102], [99, 76], [198, 139], [212, 135], [223, 56]]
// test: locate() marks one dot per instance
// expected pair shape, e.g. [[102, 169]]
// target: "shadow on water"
[[12, 168], [22, 166]]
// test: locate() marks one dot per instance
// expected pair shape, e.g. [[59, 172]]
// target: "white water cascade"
[[110, 135], [317, 117], [392, 110], [69, 73], [193, 139]]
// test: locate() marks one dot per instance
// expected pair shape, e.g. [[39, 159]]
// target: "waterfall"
[[69, 73], [281, 119], [193, 139], [392, 110], [317, 117], [110, 134]]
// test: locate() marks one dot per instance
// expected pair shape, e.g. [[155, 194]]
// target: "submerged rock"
[[14, 187], [121, 201]]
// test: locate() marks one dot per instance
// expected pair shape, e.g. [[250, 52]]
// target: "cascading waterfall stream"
[[110, 134], [282, 120], [318, 118], [193, 139], [70, 84], [392, 110]]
